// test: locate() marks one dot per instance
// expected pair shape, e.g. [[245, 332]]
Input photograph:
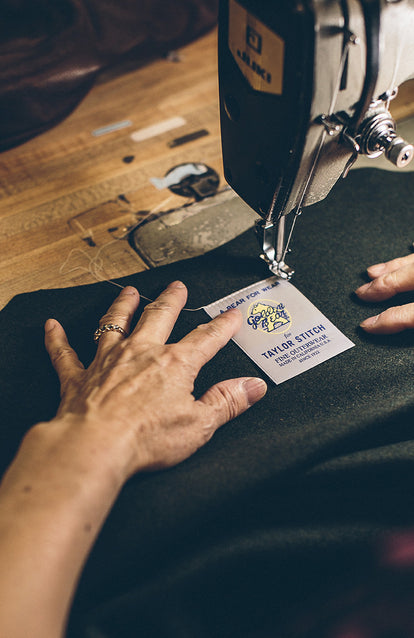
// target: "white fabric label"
[[282, 331]]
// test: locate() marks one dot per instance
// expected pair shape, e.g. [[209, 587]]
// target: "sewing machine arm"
[[305, 88]]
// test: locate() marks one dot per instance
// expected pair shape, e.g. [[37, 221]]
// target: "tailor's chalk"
[[157, 129], [116, 126]]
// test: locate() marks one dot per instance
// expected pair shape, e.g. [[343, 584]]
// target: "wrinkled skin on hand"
[[389, 279], [136, 396], [131, 410]]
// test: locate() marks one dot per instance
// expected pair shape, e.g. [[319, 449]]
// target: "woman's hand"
[[131, 410], [388, 279], [136, 397]]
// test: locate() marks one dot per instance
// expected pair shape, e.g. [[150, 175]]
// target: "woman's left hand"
[[389, 279]]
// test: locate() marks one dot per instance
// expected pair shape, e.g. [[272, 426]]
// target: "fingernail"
[[176, 284], [376, 270], [255, 389], [50, 325], [362, 289], [369, 322], [129, 290]]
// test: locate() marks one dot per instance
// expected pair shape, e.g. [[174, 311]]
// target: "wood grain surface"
[[69, 197]]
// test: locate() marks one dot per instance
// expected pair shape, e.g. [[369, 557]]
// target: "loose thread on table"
[[96, 264]]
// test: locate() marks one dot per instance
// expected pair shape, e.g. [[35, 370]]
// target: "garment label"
[[282, 331]]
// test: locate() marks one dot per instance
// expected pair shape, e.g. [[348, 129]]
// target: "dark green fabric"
[[288, 505]]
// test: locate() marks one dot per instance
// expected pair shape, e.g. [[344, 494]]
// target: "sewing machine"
[[305, 88]]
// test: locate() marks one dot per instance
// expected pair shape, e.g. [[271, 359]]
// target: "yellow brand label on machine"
[[258, 51]]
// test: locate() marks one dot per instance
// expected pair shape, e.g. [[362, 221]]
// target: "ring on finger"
[[108, 327]]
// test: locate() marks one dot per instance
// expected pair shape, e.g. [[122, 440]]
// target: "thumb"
[[228, 399]]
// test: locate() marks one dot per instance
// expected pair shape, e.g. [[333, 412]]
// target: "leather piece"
[[51, 52]]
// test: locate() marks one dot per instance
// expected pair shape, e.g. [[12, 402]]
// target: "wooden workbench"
[[69, 197]]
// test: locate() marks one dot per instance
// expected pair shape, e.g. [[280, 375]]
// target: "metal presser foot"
[[272, 242]]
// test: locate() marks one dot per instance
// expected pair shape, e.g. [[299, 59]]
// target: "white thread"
[[96, 263]]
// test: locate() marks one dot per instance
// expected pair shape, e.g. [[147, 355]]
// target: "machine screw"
[[377, 135], [398, 151]]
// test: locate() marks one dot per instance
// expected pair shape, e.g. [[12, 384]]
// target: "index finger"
[[208, 338]]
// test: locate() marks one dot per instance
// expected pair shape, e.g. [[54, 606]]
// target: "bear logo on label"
[[267, 317]]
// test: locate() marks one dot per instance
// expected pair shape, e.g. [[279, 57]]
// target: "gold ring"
[[107, 327]]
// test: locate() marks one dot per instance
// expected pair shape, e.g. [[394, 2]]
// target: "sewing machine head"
[[305, 87]]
